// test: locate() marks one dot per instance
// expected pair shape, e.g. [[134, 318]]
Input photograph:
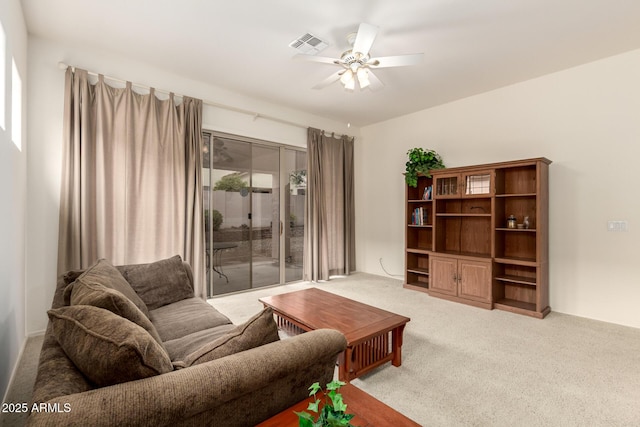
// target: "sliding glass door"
[[254, 213], [265, 216], [226, 186], [295, 173]]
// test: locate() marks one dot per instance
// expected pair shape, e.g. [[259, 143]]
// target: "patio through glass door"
[[254, 212]]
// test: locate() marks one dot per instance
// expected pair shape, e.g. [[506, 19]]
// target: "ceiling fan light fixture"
[[347, 77], [363, 77], [350, 85]]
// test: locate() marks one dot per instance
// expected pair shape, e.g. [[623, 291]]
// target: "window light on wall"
[[16, 106], [3, 82]]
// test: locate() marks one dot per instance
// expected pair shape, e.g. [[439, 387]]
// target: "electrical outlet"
[[617, 226]]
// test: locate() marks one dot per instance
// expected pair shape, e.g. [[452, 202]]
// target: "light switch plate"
[[617, 226]]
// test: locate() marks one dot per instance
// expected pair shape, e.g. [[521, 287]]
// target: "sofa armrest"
[[238, 390]]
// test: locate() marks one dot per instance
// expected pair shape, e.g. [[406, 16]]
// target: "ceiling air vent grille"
[[308, 44]]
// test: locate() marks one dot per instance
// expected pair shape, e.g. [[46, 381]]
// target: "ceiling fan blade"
[[374, 82], [332, 78], [396, 61], [311, 58], [365, 37]]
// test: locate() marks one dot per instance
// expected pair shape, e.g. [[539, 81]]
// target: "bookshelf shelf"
[[463, 215], [516, 195], [418, 251], [517, 279], [513, 305]]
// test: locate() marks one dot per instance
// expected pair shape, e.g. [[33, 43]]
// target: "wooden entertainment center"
[[467, 239]]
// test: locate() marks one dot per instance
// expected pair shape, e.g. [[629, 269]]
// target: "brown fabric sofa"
[[130, 345]]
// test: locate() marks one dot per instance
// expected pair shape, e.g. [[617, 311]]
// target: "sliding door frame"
[[284, 179]]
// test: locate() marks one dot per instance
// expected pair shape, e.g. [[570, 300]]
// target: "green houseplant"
[[332, 414], [421, 161]]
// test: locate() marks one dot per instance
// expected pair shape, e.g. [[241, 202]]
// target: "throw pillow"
[[160, 283], [259, 330], [103, 273], [106, 348], [97, 295]]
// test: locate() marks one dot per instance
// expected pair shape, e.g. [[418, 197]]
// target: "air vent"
[[308, 44]]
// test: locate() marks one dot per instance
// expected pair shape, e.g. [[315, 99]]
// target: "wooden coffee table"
[[368, 411], [374, 336]]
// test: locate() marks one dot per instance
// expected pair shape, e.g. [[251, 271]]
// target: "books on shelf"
[[428, 192], [419, 216]]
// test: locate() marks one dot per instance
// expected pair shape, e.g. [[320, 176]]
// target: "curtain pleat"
[[329, 238], [131, 183]]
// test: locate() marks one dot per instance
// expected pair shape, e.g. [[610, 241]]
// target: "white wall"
[[586, 120], [13, 182], [45, 118]]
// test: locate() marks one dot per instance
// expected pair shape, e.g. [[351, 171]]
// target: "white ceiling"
[[470, 46]]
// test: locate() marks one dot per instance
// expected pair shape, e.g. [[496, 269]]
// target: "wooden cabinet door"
[[447, 186], [474, 280], [478, 183], [443, 275]]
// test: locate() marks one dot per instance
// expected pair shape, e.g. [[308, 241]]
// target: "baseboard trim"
[[15, 368]]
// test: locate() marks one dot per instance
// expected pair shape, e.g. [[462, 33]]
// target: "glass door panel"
[[265, 215], [295, 169], [229, 250], [206, 205]]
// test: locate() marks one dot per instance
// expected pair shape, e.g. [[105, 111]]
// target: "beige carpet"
[[464, 366], [22, 386]]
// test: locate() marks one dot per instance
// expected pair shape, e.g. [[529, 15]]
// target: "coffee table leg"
[[397, 345], [344, 365]]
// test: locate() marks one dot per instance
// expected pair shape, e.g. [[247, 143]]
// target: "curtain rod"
[[64, 66]]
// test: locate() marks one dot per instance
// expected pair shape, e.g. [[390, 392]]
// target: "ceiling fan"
[[357, 65], [220, 153]]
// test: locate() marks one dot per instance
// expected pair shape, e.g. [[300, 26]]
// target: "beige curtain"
[[329, 237], [131, 187]]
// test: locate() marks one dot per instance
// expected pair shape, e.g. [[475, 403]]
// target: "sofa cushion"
[[179, 348], [103, 273], [160, 283], [259, 330], [97, 295], [185, 317], [106, 348]]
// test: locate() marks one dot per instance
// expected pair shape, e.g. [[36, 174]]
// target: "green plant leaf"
[[338, 419], [338, 403], [315, 387], [313, 406], [304, 419], [335, 385]]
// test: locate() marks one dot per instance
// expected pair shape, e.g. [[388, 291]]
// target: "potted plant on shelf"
[[421, 161], [332, 413]]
